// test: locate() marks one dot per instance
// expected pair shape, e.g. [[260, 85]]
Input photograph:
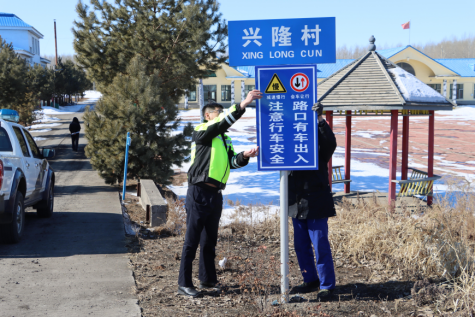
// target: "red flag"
[[406, 26]]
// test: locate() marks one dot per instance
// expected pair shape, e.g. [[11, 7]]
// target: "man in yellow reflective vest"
[[212, 158]]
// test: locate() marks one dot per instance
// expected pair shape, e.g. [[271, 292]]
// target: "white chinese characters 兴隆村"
[[281, 35], [252, 35], [311, 33]]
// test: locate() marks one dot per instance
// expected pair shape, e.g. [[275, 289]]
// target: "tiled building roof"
[[371, 83], [9, 19], [465, 67]]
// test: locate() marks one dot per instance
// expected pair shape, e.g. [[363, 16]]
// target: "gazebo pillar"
[[405, 147], [329, 117], [347, 150], [393, 157], [430, 165]]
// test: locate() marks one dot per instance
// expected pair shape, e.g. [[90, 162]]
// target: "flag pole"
[[409, 32]]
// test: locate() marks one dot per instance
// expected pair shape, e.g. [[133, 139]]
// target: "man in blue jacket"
[[310, 205]]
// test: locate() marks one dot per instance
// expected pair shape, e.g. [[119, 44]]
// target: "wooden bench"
[[337, 177], [418, 184]]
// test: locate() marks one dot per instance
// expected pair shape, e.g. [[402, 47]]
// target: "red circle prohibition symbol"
[[299, 82]]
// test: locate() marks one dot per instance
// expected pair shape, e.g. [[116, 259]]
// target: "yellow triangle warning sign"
[[275, 86]]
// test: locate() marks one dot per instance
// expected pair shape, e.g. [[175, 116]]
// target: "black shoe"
[[189, 291], [325, 295], [306, 287], [215, 286]]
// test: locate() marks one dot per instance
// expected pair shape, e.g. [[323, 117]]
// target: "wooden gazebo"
[[374, 86]]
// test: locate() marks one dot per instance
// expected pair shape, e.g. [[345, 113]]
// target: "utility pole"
[[55, 44]]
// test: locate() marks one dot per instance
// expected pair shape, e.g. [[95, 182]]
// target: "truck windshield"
[[5, 144]]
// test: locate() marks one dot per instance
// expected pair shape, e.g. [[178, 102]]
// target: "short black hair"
[[211, 105]]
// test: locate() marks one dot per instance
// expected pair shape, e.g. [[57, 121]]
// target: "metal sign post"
[[287, 134], [284, 236]]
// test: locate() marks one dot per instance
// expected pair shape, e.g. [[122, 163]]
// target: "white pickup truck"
[[26, 179]]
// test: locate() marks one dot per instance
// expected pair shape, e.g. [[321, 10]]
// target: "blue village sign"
[[282, 41], [287, 128]]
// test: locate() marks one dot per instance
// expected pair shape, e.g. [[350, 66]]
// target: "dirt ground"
[[251, 278]]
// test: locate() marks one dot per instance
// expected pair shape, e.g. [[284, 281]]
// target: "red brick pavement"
[[453, 142]]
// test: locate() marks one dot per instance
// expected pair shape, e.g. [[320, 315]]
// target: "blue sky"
[[356, 20]]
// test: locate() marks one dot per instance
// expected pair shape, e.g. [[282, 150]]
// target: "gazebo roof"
[[374, 83]]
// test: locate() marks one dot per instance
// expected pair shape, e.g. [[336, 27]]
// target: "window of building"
[[459, 91], [209, 93], [192, 94], [407, 67], [225, 92], [248, 88], [436, 87], [210, 74]]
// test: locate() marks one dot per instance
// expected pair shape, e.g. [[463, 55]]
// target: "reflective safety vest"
[[212, 151]]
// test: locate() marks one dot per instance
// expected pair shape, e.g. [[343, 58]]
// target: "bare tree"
[[463, 47]]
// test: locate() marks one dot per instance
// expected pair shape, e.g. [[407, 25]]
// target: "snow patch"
[[40, 130], [43, 125], [413, 89]]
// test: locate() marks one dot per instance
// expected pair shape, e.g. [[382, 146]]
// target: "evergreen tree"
[[135, 102], [42, 82], [15, 83], [172, 43], [181, 39], [13, 71]]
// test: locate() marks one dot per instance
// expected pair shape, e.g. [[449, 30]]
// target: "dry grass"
[[176, 219], [433, 246], [437, 244]]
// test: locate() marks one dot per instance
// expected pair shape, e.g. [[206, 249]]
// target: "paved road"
[[73, 264]]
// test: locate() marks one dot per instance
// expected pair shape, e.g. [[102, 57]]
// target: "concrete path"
[[75, 263]]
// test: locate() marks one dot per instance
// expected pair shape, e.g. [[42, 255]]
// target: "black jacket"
[[75, 126], [212, 151], [310, 196]]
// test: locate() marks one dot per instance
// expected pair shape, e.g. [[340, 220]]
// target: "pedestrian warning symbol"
[[275, 86]]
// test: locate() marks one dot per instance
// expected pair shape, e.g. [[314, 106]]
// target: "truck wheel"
[[12, 232], [45, 208]]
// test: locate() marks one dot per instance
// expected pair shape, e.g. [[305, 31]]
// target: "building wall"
[[427, 71], [23, 39], [219, 81], [19, 38]]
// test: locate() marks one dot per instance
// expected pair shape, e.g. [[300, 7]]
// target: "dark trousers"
[[75, 140], [306, 233], [203, 211]]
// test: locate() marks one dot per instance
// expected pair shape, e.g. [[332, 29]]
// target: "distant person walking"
[[74, 128]]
